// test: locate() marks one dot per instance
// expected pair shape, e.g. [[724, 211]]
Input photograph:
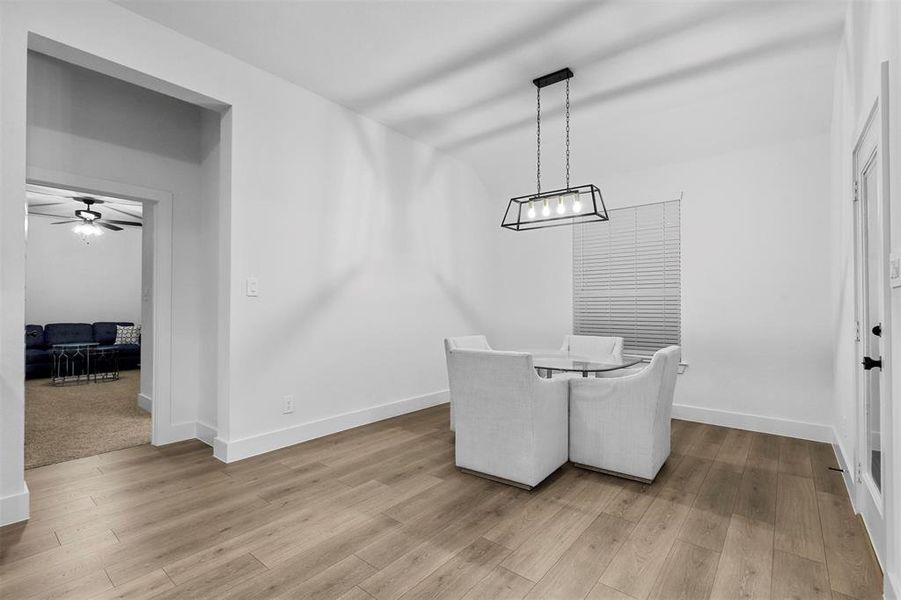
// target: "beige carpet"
[[62, 423]]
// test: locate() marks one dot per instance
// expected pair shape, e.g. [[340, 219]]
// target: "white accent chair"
[[594, 346], [511, 424], [621, 426], [470, 342]]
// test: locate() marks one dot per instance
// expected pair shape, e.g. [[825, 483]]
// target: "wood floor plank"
[[798, 527], [631, 501], [687, 574], [142, 588], [757, 495], [798, 578], [580, 566], [533, 558], [746, 563], [212, 583], [853, 569], [764, 451], [735, 447], [709, 517], [457, 576], [794, 457], [500, 584], [638, 563], [603, 592]]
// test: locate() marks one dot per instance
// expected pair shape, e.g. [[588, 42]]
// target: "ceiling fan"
[[89, 221]]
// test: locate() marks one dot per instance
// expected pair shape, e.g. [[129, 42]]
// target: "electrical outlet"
[[287, 405]]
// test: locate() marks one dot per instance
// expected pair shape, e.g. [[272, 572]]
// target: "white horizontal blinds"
[[627, 277]]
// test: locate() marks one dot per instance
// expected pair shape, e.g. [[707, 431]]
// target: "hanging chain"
[[538, 161], [567, 134]]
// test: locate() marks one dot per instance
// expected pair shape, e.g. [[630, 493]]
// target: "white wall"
[[872, 35], [755, 282], [70, 281], [361, 239]]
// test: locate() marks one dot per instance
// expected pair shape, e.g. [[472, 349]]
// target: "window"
[[627, 277]]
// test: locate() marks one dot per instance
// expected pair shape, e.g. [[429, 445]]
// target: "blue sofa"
[[39, 340]]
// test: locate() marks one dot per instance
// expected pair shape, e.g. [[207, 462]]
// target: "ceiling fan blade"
[[135, 223], [124, 212], [43, 214], [64, 222], [108, 226], [45, 204]]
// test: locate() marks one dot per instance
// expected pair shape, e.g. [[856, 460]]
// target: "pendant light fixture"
[[564, 206]]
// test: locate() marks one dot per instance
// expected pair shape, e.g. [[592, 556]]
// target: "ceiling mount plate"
[[552, 78]]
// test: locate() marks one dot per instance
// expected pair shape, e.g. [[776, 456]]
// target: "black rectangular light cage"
[[567, 206]]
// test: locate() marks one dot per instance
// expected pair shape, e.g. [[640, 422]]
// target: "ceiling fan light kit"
[[89, 223], [564, 206]]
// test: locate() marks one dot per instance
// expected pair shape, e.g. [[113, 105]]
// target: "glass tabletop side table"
[[104, 363], [70, 363]]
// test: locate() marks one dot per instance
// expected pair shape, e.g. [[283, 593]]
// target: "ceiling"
[[57, 203], [654, 81]]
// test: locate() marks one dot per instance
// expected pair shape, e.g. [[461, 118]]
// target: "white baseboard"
[[234, 450], [176, 432], [14, 508], [737, 420], [205, 433], [145, 402], [892, 589], [847, 469]]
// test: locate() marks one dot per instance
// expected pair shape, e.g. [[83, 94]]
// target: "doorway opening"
[[86, 392]]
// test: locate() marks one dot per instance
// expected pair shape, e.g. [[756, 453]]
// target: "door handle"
[[868, 363], [877, 330]]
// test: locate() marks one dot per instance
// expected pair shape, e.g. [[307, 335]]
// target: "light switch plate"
[[253, 287], [894, 269]]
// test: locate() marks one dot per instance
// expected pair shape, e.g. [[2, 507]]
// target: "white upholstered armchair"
[[594, 346], [511, 425], [470, 342], [621, 425]]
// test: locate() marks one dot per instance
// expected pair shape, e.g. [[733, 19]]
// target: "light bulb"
[[577, 204], [95, 229], [546, 210], [531, 212], [78, 229], [560, 207]]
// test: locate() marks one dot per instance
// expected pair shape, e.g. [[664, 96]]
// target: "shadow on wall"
[[655, 35], [795, 42], [500, 46]]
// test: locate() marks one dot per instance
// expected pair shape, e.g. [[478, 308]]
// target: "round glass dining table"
[[548, 361]]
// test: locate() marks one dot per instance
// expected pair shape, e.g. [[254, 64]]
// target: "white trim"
[[846, 467], [234, 450], [15, 507], [145, 403], [892, 589], [797, 429], [205, 433]]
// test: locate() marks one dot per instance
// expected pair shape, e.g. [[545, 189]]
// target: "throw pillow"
[[128, 334]]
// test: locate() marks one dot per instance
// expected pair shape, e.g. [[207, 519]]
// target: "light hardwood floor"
[[381, 512]]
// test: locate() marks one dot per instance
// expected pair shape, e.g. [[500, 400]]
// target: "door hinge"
[[857, 331], [856, 191], [859, 472]]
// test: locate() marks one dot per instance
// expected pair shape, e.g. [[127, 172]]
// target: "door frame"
[[158, 222], [872, 503]]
